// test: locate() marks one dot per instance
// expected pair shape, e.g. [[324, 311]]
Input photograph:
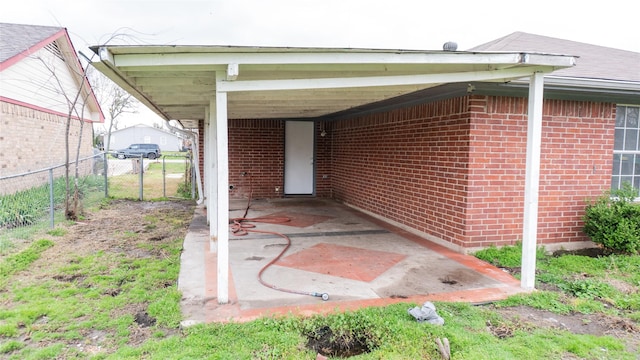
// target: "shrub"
[[613, 220]]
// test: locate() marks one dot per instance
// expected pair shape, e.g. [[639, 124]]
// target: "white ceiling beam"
[[169, 81], [332, 83], [153, 72], [208, 68]]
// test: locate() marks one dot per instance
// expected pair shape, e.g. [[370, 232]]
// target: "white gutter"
[[551, 80]]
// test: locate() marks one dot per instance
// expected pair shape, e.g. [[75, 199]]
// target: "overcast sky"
[[393, 24], [390, 24]]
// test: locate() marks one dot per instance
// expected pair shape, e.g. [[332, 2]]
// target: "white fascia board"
[[107, 69], [197, 58], [552, 60], [372, 81]]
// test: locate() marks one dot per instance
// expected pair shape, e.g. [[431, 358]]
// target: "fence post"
[[105, 170], [51, 199], [193, 177], [164, 178], [141, 176]]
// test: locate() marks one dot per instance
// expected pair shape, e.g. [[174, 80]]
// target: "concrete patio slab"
[[330, 249]]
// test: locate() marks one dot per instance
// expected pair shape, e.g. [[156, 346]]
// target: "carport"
[[212, 84]]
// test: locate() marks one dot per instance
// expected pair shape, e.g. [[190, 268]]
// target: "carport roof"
[[180, 82]]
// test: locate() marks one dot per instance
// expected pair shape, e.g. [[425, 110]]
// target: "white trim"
[[372, 81], [232, 72], [209, 57]]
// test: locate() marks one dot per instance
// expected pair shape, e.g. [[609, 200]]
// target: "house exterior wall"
[[44, 80], [167, 141], [323, 159], [201, 154], [408, 165], [576, 161], [452, 171], [256, 148], [32, 140]]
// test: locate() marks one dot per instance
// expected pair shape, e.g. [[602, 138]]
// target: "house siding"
[[43, 80], [142, 134]]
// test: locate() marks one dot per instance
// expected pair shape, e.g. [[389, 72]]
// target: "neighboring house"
[[40, 76], [460, 147], [143, 134]]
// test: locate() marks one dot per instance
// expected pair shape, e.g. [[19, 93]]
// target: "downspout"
[[196, 155]]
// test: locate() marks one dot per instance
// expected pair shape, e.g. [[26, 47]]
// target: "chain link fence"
[[37, 200], [169, 176]]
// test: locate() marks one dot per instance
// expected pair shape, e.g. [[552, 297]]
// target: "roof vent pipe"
[[450, 46]]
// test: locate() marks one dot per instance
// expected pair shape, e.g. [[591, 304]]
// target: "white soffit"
[[178, 82]]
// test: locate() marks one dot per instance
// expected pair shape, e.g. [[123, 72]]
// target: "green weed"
[[57, 232], [21, 261], [506, 256], [11, 346]]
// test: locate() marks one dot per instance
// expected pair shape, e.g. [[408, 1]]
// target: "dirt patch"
[[122, 227], [526, 318], [590, 252], [325, 342]]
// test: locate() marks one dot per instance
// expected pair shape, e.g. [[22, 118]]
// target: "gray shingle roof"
[[16, 38], [594, 62]]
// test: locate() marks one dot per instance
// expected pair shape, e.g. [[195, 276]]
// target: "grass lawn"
[[105, 288], [161, 179]]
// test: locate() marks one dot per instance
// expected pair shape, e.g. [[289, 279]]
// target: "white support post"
[[532, 181], [223, 191], [212, 208], [207, 162]]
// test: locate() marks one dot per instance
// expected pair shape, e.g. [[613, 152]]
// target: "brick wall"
[[323, 159], [408, 165], [455, 169], [256, 148], [576, 160], [201, 154], [32, 140]]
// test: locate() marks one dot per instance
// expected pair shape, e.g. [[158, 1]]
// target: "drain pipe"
[[196, 156]]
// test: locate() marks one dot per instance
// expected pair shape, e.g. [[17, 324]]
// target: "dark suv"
[[150, 151]]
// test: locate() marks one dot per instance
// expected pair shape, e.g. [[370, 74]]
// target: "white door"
[[298, 158]]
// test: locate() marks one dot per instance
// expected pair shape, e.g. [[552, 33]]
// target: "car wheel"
[[151, 156], [121, 156]]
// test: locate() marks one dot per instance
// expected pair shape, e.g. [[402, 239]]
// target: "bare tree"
[[114, 100], [75, 102]]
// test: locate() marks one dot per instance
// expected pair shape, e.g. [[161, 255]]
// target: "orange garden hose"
[[243, 225]]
